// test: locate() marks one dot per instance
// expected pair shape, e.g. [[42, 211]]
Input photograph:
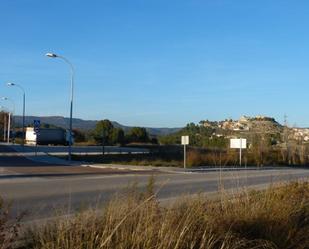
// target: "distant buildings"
[[299, 134], [260, 125]]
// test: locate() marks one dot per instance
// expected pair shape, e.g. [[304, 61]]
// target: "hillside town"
[[257, 124]]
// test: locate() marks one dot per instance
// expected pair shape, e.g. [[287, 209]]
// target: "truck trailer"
[[46, 136]]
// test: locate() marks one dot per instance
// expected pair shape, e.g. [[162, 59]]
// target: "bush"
[[202, 157], [195, 158]]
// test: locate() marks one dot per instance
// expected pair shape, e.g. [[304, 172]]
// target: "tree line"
[[105, 133]]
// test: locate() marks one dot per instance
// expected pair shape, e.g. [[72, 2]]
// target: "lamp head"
[[10, 84], [51, 55]]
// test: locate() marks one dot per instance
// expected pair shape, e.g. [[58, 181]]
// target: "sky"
[[158, 63]]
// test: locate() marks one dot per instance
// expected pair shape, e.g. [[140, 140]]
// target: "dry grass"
[[9, 229], [133, 159], [275, 218]]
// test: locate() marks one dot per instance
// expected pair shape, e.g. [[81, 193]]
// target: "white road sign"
[[184, 140], [238, 143]]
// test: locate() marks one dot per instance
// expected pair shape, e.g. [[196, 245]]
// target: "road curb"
[[138, 168]]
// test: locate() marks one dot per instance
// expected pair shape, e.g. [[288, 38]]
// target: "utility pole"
[[9, 127], [240, 151], [286, 137], [4, 127], [72, 72], [103, 142], [184, 156]]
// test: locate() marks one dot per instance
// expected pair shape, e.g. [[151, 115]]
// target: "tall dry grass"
[[275, 218], [9, 229]]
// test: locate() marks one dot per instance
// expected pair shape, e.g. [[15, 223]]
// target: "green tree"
[[79, 136], [170, 139], [102, 131], [138, 134], [199, 135], [117, 136]]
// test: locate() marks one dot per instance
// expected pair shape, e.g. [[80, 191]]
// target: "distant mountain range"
[[87, 125]]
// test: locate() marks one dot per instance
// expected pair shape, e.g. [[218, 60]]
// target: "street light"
[[52, 55], [24, 107]]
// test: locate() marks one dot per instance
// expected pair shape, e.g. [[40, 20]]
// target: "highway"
[[46, 195]]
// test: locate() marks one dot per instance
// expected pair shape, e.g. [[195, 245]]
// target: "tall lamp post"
[[24, 107], [51, 55]]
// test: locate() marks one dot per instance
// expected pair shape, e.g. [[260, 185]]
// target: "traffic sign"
[[36, 126], [184, 140], [238, 143], [36, 123]]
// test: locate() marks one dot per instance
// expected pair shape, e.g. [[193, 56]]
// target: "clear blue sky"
[[158, 62]]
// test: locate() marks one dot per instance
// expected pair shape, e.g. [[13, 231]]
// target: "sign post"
[[9, 127], [239, 143], [36, 128], [184, 142], [240, 150]]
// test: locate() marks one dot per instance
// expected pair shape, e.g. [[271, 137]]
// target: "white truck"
[[46, 136]]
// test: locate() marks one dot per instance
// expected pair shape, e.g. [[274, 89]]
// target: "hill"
[[258, 124], [87, 125]]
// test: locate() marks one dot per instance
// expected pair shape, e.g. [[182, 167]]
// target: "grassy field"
[[275, 218]]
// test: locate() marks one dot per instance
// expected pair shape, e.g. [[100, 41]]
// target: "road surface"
[[82, 150], [13, 165], [46, 195]]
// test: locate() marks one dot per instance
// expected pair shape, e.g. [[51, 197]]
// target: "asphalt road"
[[13, 165], [47, 195], [58, 150], [8, 159]]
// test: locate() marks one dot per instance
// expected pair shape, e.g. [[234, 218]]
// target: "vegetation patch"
[[9, 229], [275, 218], [157, 156]]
